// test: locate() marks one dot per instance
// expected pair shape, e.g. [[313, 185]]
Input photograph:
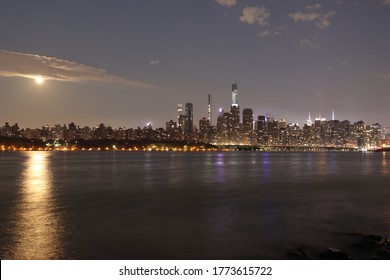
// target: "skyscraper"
[[261, 130], [247, 121], [179, 111], [309, 121], [209, 108], [234, 120], [189, 120], [234, 95]]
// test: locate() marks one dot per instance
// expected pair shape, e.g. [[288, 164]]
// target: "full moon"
[[39, 80]]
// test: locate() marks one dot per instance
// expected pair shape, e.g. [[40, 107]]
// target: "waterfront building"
[[294, 135], [204, 129], [272, 131], [222, 126], [170, 127], [209, 109], [359, 134], [373, 136], [247, 122], [179, 110], [234, 118], [189, 119], [261, 130], [319, 131]]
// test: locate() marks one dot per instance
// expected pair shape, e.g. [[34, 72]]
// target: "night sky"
[[125, 63]]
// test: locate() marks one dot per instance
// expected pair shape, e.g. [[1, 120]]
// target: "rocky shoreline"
[[362, 247]]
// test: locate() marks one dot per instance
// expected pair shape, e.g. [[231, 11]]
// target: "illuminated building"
[[309, 122], [189, 119], [373, 135], [204, 129], [282, 123], [209, 108], [319, 131], [272, 131], [234, 118], [261, 130], [182, 121], [222, 126], [359, 134], [203, 125], [170, 127], [247, 131], [294, 134], [235, 95], [179, 111]]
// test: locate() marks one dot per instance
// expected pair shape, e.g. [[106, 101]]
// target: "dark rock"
[[381, 254], [334, 254], [300, 254], [374, 240]]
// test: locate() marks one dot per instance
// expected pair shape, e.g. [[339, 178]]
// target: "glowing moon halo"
[[39, 80]]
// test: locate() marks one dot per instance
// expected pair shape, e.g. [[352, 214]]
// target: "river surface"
[[188, 205]]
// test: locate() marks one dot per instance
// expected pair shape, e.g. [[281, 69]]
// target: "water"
[[172, 205]]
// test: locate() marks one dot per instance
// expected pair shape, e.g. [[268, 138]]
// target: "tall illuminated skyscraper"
[[309, 121], [189, 123], [179, 110], [209, 108], [247, 122], [261, 130], [234, 120], [234, 95]]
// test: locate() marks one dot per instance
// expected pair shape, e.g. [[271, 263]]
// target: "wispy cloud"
[[271, 31], [306, 43], [154, 62], [14, 64], [265, 33], [299, 16], [316, 6], [322, 21], [228, 3], [255, 15]]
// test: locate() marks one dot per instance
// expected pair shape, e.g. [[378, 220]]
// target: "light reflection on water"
[[36, 224]]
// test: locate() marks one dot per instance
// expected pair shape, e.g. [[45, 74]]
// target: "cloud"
[[386, 2], [316, 6], [324, 21], [321, 20], [299, 16], [14, 64], [255, 15], [345, 63], [228, 3], [272, 31], [265, 33], [154, 62], [306, 43]]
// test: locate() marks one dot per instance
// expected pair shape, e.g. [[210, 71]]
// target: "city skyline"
[[127, 64], [263, 131]]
